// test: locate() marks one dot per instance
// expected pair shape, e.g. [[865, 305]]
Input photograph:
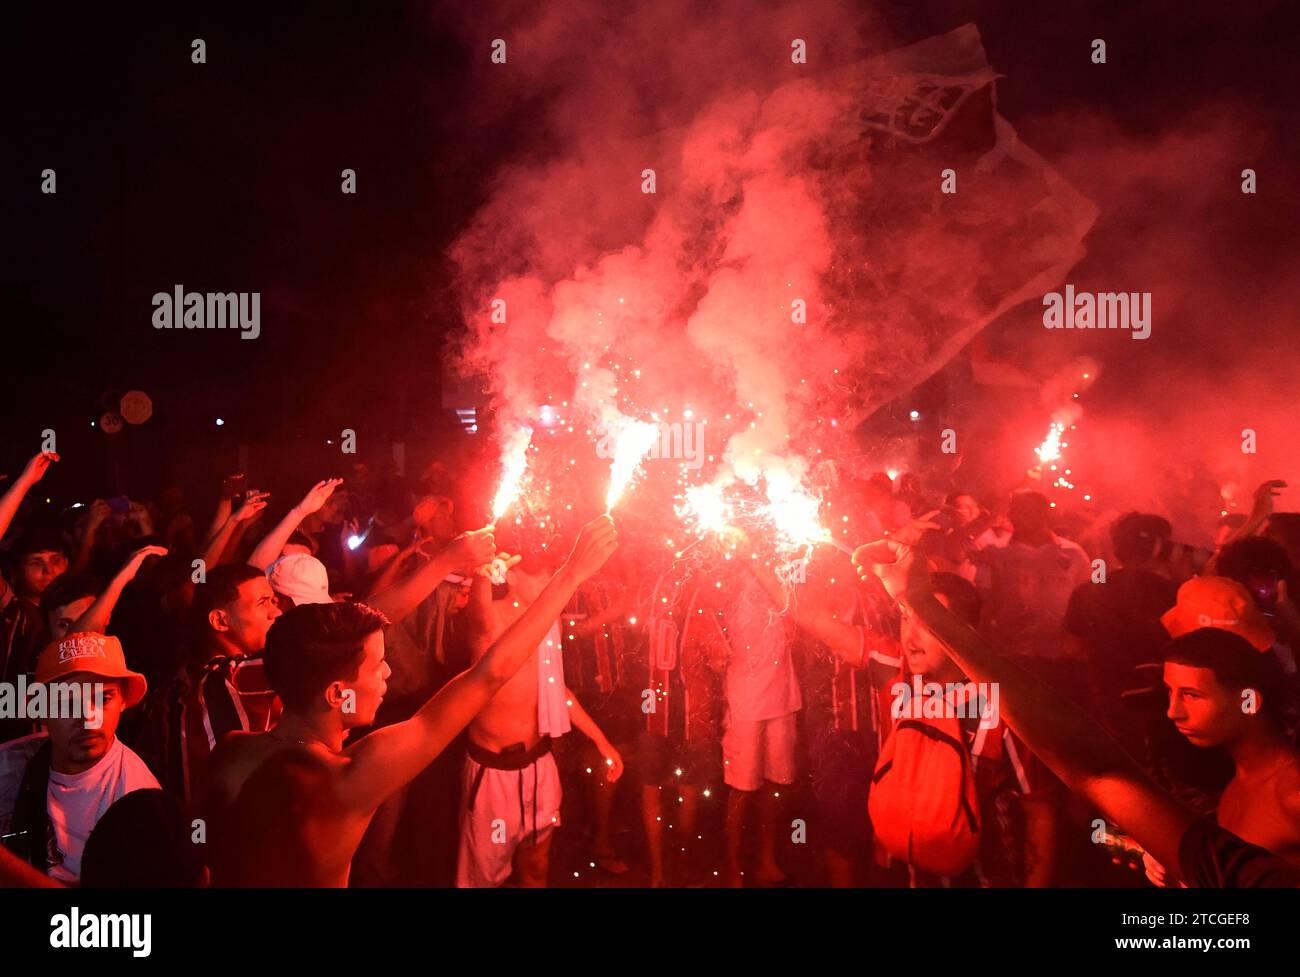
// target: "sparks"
[[631, 444], [1050, 449], [513, 461]]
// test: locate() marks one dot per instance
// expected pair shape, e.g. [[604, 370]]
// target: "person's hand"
[[138, 522], [596, 543], [473, 549], [1264, 496], [347, 529], [497, 569], [1155, 871], [903, 571], [254, 503], [133, 562], [36, 468], [613, 762], [318, 495], [96, 513], [910, 534]]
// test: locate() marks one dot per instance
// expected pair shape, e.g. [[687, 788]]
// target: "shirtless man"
[[289, 807], [511, 793], [1208, 673]]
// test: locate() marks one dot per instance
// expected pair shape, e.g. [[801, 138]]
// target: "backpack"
[[923, 804]]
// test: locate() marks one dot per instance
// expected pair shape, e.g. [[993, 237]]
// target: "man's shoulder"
[[16, 754], [21, 749], [1066, 545], [137, 771], [14, 757]]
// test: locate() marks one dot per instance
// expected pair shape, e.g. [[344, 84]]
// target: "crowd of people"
[[358, 696]]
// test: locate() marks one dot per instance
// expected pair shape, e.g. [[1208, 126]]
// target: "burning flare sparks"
[[1050, 449], [631, 444], [793, 512], [514, 459]]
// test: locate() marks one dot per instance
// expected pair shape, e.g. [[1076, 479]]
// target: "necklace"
[[301, 742]]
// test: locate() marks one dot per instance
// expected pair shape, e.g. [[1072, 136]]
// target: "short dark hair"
[[1235, 662], [312, 645], [963, 598], [1135, 535], [66, 588], [1028, 502], [142, 841], [220, 588], [36, 539]]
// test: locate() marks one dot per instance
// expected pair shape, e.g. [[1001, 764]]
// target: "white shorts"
[[511, 807], [757, 750]]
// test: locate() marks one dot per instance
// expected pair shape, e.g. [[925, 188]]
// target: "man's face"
[[245, 621], [925, 655], [967, 509], [433, 514], [78, 744], [62, 618], [371, 682], [1201, 708], [38, 570]]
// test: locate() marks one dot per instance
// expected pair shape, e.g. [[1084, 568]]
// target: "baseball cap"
[[92, 653], [1218, 602], [300, 577]]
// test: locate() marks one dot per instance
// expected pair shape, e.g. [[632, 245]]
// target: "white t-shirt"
[[761, 681], [75, 803], [1030, 591]]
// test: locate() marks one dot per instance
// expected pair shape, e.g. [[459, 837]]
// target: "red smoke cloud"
[[775, 182]]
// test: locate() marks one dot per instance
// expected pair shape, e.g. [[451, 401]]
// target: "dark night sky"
[[225, 176]]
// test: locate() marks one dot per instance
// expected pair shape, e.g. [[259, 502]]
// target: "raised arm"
[[388, 758], [230, 486], [1077, 748], [466, 552], [271, 546], [216, 547], [32, 473], [99, 613]]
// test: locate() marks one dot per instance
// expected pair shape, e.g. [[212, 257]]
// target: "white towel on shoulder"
[[552, 703]]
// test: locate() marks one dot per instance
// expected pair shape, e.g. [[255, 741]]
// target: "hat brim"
[[135, 685]]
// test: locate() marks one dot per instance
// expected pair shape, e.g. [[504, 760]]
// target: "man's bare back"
[[289, 807], [277, 818]]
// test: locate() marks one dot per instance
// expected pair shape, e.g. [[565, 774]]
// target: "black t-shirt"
[[1119, 622], [1212, 857]]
